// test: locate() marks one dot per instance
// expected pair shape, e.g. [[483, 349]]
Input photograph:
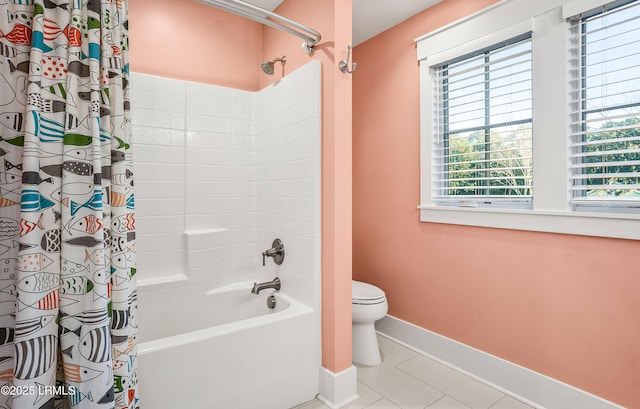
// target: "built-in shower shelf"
[[159, 281], [203, 239], [201, 246]]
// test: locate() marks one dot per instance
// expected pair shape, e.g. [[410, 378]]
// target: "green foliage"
[[619, 145], [493, 164], [499, 164]]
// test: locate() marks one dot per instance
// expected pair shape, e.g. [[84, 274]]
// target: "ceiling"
[[371, 17]]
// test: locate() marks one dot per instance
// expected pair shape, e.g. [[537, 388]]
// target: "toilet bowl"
[[368, 304]]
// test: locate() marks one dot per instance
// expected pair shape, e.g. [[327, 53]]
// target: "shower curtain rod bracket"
[[307, 47]]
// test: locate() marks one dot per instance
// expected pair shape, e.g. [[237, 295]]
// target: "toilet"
[[368, 305]]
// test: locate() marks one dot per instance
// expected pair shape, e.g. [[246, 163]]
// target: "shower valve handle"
[[276, 252], [268, 253]]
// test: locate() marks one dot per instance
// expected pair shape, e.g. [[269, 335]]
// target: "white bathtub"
[[224, 349]]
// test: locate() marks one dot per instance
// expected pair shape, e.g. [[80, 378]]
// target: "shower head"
[[268, 66]]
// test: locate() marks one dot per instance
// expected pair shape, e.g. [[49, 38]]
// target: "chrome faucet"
[[276, 251], [257, 287]]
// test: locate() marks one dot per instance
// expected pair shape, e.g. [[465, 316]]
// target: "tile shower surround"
[[234, 169]]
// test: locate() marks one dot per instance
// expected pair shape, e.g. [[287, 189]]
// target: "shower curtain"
[[67, 241]]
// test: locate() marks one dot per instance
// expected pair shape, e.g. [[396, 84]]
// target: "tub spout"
[[257, 287]]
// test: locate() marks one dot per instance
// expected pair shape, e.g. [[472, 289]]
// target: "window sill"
[[621, 226]]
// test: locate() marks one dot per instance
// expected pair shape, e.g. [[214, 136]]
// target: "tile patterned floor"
[[408, 380]]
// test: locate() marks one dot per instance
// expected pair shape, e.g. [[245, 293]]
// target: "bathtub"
[[225, 349]]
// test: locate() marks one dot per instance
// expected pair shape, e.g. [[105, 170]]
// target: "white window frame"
[[551, 210], [581, 109], [445, 130]]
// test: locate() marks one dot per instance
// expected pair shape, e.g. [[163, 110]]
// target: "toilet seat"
[[366, 294]]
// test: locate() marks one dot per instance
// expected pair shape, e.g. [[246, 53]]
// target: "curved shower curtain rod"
[[310, 36]]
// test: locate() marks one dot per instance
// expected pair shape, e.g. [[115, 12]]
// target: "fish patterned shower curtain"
[[67, 241]]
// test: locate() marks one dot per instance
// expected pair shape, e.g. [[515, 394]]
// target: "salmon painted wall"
[[565, 306], [195, 42], [332, 18]]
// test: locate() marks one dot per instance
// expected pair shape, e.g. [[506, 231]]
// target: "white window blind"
[[605, 115], [483, 120]]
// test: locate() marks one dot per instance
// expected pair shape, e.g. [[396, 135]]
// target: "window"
[[530, 118], [605, 140], [483, 148]]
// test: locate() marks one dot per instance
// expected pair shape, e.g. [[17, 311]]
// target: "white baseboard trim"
[[338, 389], [530, 387]]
